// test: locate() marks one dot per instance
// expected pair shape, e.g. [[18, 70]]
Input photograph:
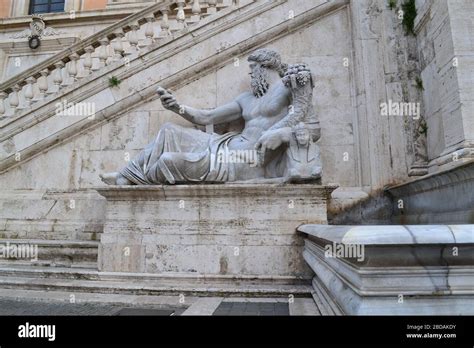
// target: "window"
[[46, 6]]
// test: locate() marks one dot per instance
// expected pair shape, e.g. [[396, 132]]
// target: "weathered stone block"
[[230, 229], [394, 270]]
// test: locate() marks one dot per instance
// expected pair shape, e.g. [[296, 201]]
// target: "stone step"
[[51, 235], [26, 271], [90, 280], [93, 274], [52, 253], [153, 288]]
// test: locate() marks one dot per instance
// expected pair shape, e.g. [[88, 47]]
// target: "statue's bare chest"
[[273, 104]]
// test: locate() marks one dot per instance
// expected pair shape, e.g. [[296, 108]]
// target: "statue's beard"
[[259, 82]]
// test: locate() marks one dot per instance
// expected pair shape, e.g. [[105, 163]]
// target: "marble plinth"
[[403, 270], [226, 229]]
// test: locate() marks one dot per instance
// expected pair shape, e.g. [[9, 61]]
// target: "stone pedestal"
[[216, 230], [393, 269]]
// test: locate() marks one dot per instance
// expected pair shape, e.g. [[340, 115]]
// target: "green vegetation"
[[114, 81], [409, 15], [392, 4], [419, 84]]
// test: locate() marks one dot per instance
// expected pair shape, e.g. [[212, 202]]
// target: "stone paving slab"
[[252, 308], [15, 307], [204, 306], [81, 297]]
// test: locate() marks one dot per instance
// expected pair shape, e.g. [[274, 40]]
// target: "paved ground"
[[34, 302], [15, 307], [252, 308]]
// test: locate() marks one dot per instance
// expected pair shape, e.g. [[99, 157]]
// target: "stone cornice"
[[154, 192], [392, 234], [435, 181]]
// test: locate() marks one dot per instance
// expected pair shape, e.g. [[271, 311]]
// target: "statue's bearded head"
[[261, 61]]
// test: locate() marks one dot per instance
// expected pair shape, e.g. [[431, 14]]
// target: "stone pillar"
[[444, 30]]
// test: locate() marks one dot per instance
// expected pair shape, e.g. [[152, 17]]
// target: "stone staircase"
[[50, 225], [91, 281]]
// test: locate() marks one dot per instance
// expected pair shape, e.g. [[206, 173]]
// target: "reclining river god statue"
[[278, 107]]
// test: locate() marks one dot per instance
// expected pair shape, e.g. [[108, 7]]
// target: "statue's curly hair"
[[269, 59]]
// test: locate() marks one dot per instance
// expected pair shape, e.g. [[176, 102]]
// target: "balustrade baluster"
[[133, 38], [88, 60], [57, 78], [196, 10], [103, 52], [149, 31], [72, 70], [165, 24], [118, 46], [181, 16], [42, 84], [29, 93], [211, 9], [15, 99]]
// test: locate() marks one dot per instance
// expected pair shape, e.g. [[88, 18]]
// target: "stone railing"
[[111, 45]]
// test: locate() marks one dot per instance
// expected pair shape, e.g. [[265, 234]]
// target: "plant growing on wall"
[[409, 15], [114, 81], [419, 84], [392, 4]]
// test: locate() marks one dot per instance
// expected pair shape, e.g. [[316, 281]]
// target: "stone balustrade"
[[392, 269], [113, 45]]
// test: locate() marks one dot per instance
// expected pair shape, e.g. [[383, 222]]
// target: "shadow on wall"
[[376, 209]]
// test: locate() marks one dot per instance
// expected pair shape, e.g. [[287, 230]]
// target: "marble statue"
[[279, 100]]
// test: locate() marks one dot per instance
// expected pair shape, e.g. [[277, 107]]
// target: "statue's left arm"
[[225, 113]]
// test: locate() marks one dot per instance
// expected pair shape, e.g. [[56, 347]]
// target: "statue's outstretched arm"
[[222, 114], [225, 113]]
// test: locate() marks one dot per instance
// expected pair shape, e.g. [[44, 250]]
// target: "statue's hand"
[[272, 139], [167, 99]]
